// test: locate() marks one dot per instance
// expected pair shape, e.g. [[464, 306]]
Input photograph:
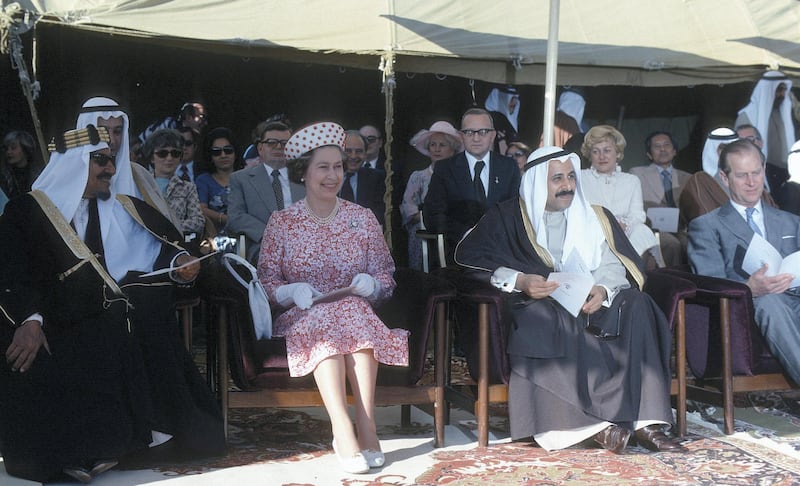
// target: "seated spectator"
[[318, 245], [250, 155], [606, 185], [662, 185], [256, 192], [519, 152], [464, 186], [20, 163], [212, 186], [163, 150], [188, 170], [705, 191], [191, 114], [94, 367], [362, 185], [442, 141], [790, 192], [602, 373], [719, 239]]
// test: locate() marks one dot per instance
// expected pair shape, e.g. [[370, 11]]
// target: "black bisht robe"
[[563, 377], [118, 368]]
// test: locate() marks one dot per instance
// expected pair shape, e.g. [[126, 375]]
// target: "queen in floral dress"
[[316, 246]]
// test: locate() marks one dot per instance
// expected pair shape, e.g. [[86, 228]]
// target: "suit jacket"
[[653, 187], [370, 189], [451, 205], [718, 240], [251, 203]]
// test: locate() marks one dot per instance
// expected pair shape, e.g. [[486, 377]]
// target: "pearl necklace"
[[321, 221]]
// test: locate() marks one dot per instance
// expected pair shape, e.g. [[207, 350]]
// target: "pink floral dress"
[[296, 248]]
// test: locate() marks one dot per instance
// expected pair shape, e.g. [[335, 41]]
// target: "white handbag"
[[257, 297]]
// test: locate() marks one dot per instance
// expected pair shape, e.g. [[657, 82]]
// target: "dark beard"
[[103, 196]]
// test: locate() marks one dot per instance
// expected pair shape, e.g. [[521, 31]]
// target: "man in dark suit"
[[718, 241], [258, 191], [464, 186], [362, 185]]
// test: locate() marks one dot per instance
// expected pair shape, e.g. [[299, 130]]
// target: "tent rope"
[[13, 23], [389, 85]]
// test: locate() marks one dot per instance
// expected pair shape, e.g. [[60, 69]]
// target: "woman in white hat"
[[316, 246], [441, 141]]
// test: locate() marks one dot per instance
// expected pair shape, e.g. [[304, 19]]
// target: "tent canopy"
[[627, 42]]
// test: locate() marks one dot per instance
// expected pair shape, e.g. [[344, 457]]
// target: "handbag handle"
[[242, 261]]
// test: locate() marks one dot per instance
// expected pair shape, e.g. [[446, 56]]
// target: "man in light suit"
[[718, 241], [258, 191], [661, 188], [456, 199]]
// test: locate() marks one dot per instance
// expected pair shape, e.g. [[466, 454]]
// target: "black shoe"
[[102, 466], [78, 474]]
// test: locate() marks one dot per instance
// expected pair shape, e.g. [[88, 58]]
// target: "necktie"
[[276, 186], [666, 178], [749, 212], [93, 238], [185, 174], [480, 191], [347, 189]]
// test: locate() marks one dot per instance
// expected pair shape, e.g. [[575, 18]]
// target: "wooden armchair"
[[725, 350], [259, 367]]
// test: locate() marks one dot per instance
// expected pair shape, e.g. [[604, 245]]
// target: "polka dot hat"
[[315, 135]]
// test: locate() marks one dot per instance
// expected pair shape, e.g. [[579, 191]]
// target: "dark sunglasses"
[[188, 143], [516, 154], [101, 160], [274, 142], [175, 153], [598, 332], [228, 149], [372, 138]]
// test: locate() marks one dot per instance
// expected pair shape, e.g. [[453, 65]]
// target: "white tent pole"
[[550, 74]]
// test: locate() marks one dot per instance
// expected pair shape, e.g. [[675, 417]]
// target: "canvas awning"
[[625, 42]]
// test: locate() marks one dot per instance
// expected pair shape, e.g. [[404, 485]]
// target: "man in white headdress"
[[790, 192], [770, 110], [131, 178], [603, 373], [94, 363]]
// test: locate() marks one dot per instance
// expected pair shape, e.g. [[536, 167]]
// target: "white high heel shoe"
[[355, 464], [374, 458]]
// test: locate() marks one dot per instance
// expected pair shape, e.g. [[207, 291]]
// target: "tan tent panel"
[[625, 42]]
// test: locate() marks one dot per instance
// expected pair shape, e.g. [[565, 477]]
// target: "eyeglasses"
[[188, 143], [217, 151], [372, 138], [101, 160], [274, 142], [175, 153], [481, 132], [516, 154], [598, 332], [753, 138]]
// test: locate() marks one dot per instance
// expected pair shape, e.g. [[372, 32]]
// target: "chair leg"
[[222, 363], [439, 364], [680, 367], [186, 321], [405, 416], [727, 363], [482, 405]]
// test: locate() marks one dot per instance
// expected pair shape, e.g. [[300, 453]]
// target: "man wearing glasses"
[[464, 186], [258, 191]]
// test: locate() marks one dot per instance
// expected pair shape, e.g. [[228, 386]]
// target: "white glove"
[[364, 285], [301, 294]]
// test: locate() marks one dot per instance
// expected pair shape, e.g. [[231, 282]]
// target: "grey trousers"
[[778, 318]]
